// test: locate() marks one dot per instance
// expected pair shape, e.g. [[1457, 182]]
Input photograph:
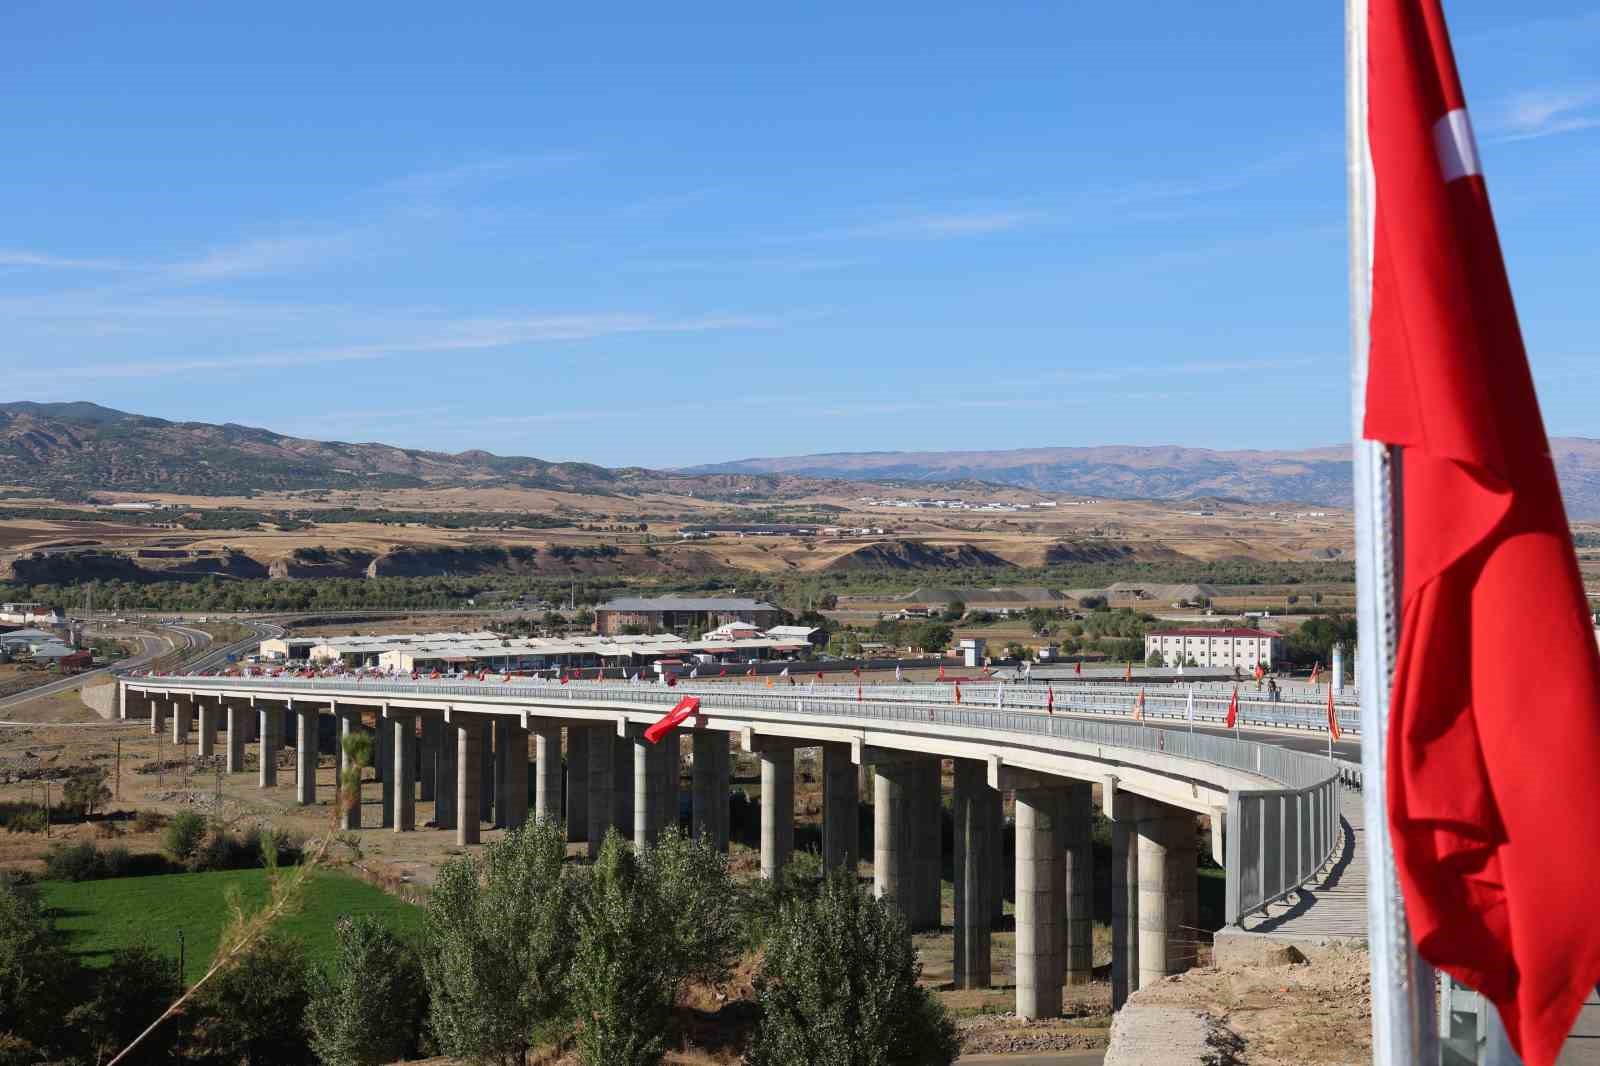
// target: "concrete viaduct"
[[465, 746]]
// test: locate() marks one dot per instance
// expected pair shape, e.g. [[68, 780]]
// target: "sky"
[[666, 234]]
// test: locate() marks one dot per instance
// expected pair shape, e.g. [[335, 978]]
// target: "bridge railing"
[[1277, 840]]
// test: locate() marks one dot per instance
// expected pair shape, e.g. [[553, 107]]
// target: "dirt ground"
[[1316, 1013]]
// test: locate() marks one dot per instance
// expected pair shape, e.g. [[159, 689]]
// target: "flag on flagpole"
[[1049, 700], [1138, 707], [958, 692], [899, 674], [1333, 716], [784, 672], [686, 708], [819, 676], [858, 693], [1487, 788], [1316, 671], [694, 672], [1077, 668], [1189, 711], [941, 671], [1233, 709], [724, 672], [1127, 672]]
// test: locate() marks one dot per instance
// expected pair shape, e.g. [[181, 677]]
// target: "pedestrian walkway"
[[1332, 905]]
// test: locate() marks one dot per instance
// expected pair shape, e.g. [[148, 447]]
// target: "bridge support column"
[[403, 744], [158, 718], [305, 762], [469, 779], [602, 788], [777, 809], [1159, 918], [622, 785], [511, 798], [236, 730], [271, 726], [927, 856], [1124, 812], [841, 809], [208, 727], [655, 785], [486, 788], [974, 874], [349, 805], [1004, 866], [900, 840], [1041, 901], [577, 809], [711, 782], [1183, 892], [182, 712], [1078, 841], [446, 774], [384, 765], [546, 772], [428, 759]]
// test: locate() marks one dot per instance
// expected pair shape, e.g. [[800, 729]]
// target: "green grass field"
[[97, 917]]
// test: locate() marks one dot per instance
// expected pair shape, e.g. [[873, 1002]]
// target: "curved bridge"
[[465, 746]]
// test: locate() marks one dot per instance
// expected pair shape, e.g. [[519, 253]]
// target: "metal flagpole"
[[1404, 1026]]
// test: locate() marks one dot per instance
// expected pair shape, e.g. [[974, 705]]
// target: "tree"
[[932, 636], [254, 1011], [36, 974], [184, 835], [955, 611], [86, 790], [498, 946], [126, 997], [838, 987], [1156, 659], [368, 1007], [649, 922]]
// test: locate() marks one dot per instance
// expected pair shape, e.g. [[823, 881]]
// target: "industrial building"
[[680, 613], [1215, 649]]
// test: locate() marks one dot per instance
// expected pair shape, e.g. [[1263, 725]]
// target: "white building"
[[1214, 649], [25, 614]]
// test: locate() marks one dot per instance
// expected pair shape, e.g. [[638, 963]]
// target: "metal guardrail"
[[1276, 841]]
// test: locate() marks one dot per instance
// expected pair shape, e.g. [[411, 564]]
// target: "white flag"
[[694, 672], [899, 674], [784, 672], [1191, 703]]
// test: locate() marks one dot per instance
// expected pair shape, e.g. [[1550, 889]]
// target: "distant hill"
[[1318, 475]]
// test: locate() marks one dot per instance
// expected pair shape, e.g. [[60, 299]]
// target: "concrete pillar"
[[777, 810], [469, 779], [1183, 891], [974, 874], [622, 785], [927, 823], [208, 727], [158, 718], [1157, 920], [710, 783], [446, 777], [1124, 898], [182, 712], [894, 835], [655, 785], [1041, 891], [428, 759], [1004, 867], [1078, 842], [237, 714], [384, 762], [577, 783], [602, 795], [546, 772], [841, 809], [403, 744], [350, 806], [271, 723], [487, 778], [511, 799], [1337, 668], [502, 767], [305, 763]]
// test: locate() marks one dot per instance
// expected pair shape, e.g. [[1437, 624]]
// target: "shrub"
[[85, 862], [85, 791], [498, 945], [36, 974], [254, 1011], [369, 1007], [148, 821], [127, 996], [838, 987], [184, 835]]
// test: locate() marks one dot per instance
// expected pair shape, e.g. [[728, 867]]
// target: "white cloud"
[[19, 258], [1546, 112], [261, 256]]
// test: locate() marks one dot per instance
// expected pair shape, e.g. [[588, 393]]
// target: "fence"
[[1277, 840]]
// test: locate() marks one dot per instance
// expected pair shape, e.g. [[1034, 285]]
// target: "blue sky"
[[667, 234]]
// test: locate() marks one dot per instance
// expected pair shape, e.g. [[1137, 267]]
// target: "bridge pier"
[[602, 788], [841, 808], [349, 806], [1124, 811], [1078, 841], [928, 851], [622, 785], [486, 781], [1041, 900], [777, 808], [237, 715], [305, 762], [403, 741], [975, 884], [446, 770], [182, 714], [546, 772], [207, 713], [710, 783], [383, 763], [577, 783], [905, 798], [511, 784], [655, 785], [1003, 867], [158, 720], [270, 732], [469, 778], [1166, 865], [428, 759]]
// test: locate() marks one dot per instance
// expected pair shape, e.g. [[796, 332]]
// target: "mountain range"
[[69, 450]]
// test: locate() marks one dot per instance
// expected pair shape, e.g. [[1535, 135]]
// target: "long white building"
[[1215, 649]]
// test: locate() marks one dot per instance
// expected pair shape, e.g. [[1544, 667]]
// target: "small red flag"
[[857, 672], [819, 675], [750, 672], [1489, 784], [958, 692], [686, 708], [1077, 668], [1127, 672], [941, 671], [1233, 708], [1333, 716], [724, 672], [1050, 700], [1138, 707], [563, 677], [858, 693]]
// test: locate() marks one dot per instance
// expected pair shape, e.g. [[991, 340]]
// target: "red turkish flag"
[[1333, 716], [685, 709], [1233, 708], [1491, 757]]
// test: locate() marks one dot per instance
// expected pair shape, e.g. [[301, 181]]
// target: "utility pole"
[[116, 787]]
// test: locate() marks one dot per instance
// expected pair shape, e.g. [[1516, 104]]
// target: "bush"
[[36, 974], [254, 1011], [125, 998], [85, 791], [85, 862], [148, 821], [185, 834], [499, 946], [369, 1007], [838, 987]]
